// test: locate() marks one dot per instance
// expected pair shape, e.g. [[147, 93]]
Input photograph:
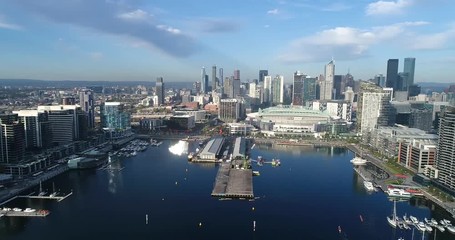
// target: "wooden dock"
[[49, 197], [233, 183], [11, 213]]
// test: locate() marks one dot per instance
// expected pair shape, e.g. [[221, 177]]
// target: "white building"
[[327, 85]]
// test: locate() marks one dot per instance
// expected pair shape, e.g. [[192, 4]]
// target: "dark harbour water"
[[308, 197]]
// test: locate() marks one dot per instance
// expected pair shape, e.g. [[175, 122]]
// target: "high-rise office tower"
[[206, 84], [337, 80], [297, 92], [37, 128], [373, 108], [409, 68], [197, 87], [262, 73], [203, 82], [237, 74], [12, 139], [309, 89], [159, 88], [87, 102], [221, 79], [213, 78], [229, 87], [392, 74], [267, 90], [327, 85], [445, 161], [278, 90], [116, 119], [236, 86], [379, 80], [75, 111]]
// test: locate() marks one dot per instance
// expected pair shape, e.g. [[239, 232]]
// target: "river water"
[[312, 193]]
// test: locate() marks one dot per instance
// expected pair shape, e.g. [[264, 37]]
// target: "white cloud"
[[273, 11], [433, 41], [169, 29], [387, 7], [344, 43], [6, 25], [136, 15]]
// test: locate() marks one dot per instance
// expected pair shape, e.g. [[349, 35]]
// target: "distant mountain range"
[[80, 83]]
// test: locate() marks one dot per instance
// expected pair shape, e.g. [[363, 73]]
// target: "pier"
[[233, 182], [12, 213], [53, 196]]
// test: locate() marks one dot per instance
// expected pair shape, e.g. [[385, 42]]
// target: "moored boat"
[[421, 226], [368, 185], [358, 161], [397, 192]]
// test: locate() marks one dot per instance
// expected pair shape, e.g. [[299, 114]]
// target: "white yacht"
[[414, 220], [421, 226], [29, 210], [17, 209], [368, 186], [392, 220], [450, 228], [396, 192], [358, 161]]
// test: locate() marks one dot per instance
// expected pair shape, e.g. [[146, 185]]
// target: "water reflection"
[[179, 148], [114, 174]]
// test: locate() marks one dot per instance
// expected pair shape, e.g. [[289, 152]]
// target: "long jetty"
[[12, 213], [233, 182]]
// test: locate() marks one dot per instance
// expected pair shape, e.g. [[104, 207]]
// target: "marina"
[[298, 189]]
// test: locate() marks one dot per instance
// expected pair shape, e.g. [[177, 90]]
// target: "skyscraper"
[[278, 90], [229, 87], [87, 102], [327, 86], [12, 139], [297, 93], [220, 74], [392, 74], [213, 78], [115, 119], [37, 128], [159, 88], [446, 149], [309, 89], [262, 73], [237, 74], [373, 108], [267, 90], [203, 82], [379, 79], [409, 68], [337, 79]]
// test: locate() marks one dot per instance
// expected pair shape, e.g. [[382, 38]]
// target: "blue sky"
[[141, 40]]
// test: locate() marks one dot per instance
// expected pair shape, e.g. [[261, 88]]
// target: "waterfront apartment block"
[[373, 108], [386, 139], [12, 140], [446, 149], [230, 110], [417, 155]]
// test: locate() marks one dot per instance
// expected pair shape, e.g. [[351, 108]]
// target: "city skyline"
[[138, 40]]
